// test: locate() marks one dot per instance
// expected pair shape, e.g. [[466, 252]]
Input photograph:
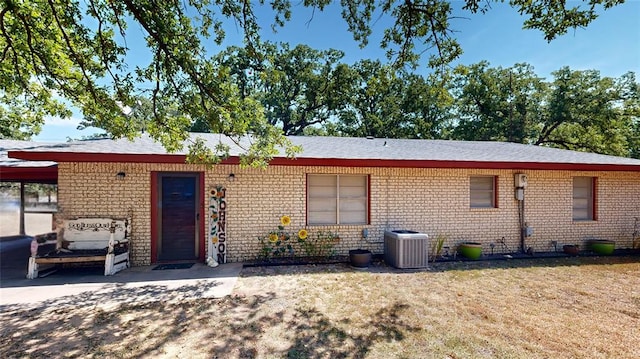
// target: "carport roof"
[[16, 170], [345, 151]]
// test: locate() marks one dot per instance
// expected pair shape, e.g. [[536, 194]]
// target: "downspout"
[[522, 223]]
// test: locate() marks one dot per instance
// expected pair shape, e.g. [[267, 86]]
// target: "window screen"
[[583, 198], [482, 192], [337, 199]]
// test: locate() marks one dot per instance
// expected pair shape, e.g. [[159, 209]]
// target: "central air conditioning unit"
[[406, 249], [521, 180]]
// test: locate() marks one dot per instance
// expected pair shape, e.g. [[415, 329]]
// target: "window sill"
[[337, 225]]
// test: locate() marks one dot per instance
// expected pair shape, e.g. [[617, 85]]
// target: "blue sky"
[[610, 44]]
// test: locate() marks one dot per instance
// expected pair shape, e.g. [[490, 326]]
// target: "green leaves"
[[496, 104], [587, 112], [57, 56], [395, 104], [578, 110], [297, 87], [52, 61], [554, 18]]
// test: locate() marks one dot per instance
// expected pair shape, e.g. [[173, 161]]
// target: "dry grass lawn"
[[551, 308]]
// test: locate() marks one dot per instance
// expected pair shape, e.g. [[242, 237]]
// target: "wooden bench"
[[83, 240]]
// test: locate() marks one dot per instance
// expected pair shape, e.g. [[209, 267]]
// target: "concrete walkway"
[[88, 286], [133, 285]]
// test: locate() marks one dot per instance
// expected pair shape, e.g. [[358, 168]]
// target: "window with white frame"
[[482, 190], [583, 198], [337, 199]]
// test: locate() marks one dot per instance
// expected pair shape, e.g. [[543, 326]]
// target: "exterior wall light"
[[120, 175]]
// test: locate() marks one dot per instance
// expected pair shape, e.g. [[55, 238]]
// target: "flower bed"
[[280, 244]]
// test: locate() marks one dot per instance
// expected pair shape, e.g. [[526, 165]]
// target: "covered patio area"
[[28, 192]]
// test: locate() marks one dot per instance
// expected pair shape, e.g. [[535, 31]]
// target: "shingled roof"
[[347, 151]]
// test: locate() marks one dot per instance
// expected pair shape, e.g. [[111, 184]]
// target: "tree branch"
[[45, 64], [169, 54], [546, 132], [78, 60], [103, 45], [10, 46], [5, 35]]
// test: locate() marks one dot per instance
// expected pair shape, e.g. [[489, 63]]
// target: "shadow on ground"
[[133, 324], [109, 295], [316, 337], [231, 327]]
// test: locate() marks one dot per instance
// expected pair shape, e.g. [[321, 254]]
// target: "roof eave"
[[324, 162], [95, 157], [339, 162], [47, 174]]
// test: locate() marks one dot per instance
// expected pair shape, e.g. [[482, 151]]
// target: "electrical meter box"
[[521, 180]]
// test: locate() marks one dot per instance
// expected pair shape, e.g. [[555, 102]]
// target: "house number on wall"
[[217, 226]]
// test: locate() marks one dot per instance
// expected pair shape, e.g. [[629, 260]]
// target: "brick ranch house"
[[464, 190]]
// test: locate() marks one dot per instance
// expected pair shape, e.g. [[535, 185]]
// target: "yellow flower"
[[285, 220], [302, 234], [273, 238], [214, 239]]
